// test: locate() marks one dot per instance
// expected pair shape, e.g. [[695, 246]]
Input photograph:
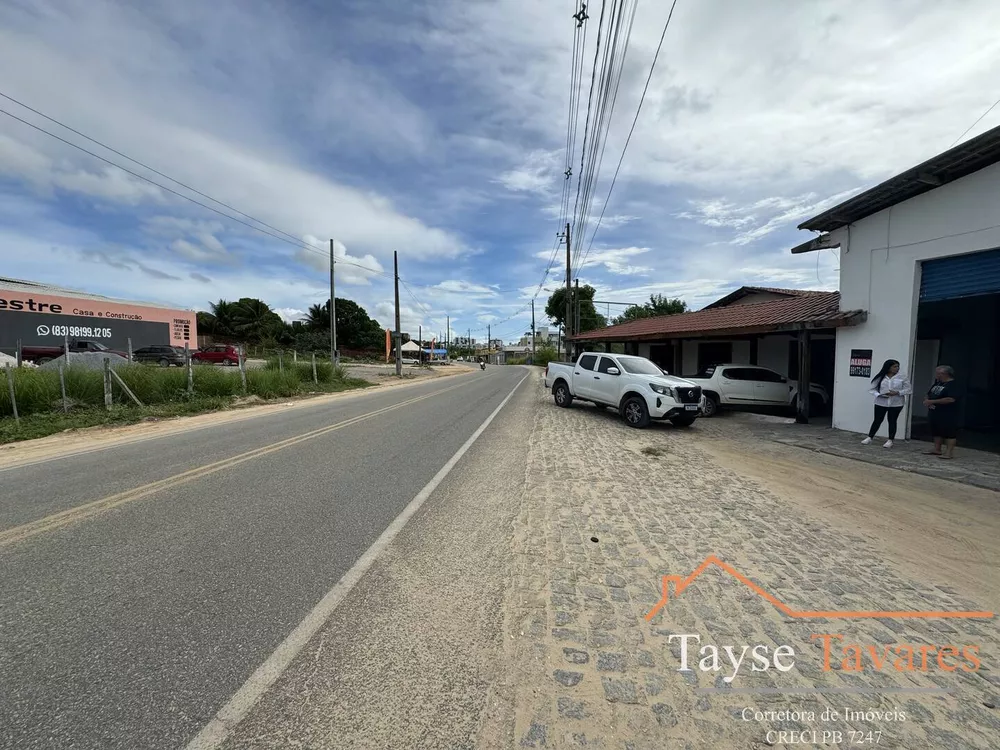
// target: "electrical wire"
[[295, 243], [635, 120], [992, 107], [586, 123], [610, 81]]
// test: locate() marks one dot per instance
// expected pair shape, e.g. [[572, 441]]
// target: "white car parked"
[[633, 386], [752, 385]]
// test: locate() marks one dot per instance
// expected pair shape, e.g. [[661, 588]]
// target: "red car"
[[225, 354]]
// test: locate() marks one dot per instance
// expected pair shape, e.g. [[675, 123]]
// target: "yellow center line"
[[96, 507]]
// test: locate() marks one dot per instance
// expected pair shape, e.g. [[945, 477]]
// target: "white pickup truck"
[[753, 386], [636, 388]]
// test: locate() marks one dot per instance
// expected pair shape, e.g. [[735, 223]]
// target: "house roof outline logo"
[[681, 583]]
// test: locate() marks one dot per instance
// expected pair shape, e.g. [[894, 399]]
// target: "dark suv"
[[164, 356]]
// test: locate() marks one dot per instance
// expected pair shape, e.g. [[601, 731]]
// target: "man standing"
[[942, 408]]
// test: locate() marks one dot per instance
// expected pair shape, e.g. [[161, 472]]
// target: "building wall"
[[880, 272], [45, 319]]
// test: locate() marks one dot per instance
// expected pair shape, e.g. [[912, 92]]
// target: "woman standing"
[[942, 408], [890, 390]]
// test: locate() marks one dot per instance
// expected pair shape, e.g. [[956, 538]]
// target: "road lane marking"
[[232, 417], [218, 730], [96, 507]]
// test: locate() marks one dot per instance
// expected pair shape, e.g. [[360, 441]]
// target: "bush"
[[544, 355]]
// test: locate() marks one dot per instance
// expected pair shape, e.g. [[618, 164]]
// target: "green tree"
[[590, 319], [254, 321], [355, 329], [657, 305]]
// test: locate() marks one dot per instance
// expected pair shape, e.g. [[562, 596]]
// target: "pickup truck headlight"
[[663, 390]]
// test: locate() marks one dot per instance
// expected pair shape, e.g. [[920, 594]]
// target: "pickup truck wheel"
[[635, 413], [711, 407], [684, 420], [43, 360], [562, 395]]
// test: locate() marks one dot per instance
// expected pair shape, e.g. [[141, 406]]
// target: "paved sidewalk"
[[608, 511], [978, 468]]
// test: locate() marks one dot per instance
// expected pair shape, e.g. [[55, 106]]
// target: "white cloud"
[[290, 314], [350, 269], [540, 173]]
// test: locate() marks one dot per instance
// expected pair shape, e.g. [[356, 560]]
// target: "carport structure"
[[790, 331]]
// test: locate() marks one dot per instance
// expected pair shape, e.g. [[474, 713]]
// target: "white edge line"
[[217, 731]]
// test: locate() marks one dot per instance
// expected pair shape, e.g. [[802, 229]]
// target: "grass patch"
[[163, 392]]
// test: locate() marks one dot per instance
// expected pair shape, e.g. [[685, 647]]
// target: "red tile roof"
[[806, 310], [746, 291]]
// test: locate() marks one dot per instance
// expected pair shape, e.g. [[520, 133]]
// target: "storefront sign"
[[861, 363], [43, 329]]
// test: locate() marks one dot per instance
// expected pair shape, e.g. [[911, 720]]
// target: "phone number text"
[[81, 331]]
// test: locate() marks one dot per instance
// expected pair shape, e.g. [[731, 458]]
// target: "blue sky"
[[436, 129]]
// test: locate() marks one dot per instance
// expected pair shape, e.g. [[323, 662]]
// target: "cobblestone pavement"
[[608, 511]]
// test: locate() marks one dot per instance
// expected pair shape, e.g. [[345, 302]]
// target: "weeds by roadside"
[[163, 392]]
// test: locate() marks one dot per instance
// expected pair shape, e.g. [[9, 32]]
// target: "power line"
[[295, 243], [146, 166], [992, 106], [635, 120]]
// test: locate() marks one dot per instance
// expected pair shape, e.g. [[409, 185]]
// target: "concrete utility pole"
[[397, 332], [489, 340], [420, 342], [569, 294], [333, 313], [447, 338], [576, 315], [533, 331]]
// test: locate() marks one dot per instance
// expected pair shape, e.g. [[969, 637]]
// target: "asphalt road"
[[129, 622]]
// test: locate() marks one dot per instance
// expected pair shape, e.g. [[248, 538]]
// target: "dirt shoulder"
[[90, 438]]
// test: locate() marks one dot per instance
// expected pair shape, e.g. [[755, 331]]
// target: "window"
[[606, 362], [639, 366], [740, 373], [587, 361], [766, 376]]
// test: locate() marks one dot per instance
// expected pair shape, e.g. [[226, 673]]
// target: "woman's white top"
[[894, 383]]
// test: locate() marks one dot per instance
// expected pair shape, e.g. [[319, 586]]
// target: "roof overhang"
[[823, 242], [843, 320], [962, 160]]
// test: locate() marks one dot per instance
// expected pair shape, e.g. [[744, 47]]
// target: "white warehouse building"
[[920, 253]]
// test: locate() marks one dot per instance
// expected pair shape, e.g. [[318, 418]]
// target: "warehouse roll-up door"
[[960, 276]]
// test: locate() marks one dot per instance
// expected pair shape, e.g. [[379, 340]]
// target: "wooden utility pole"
[[569, 295], [333, 313], [398, 334]]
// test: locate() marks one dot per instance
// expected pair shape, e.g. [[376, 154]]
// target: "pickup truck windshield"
[[639, 366]]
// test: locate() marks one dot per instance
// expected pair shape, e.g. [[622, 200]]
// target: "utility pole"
[[447, 339], [399, 335], [420, 341], [576, 316], [489, 340], [333, 313], [569, 295], [532, 331]]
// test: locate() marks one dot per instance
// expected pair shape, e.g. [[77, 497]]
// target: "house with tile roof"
[[765, 326]]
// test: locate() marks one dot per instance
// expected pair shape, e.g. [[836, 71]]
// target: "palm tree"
[[318, 317]]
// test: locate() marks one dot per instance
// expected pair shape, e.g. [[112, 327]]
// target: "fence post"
[[315, 377], [295, 356], [107, 383], [130, 349], [62, 388], [10, 389], [17, 354], [66, 348], [190, 371], [243, 369], [281, 363], [124, 387]]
